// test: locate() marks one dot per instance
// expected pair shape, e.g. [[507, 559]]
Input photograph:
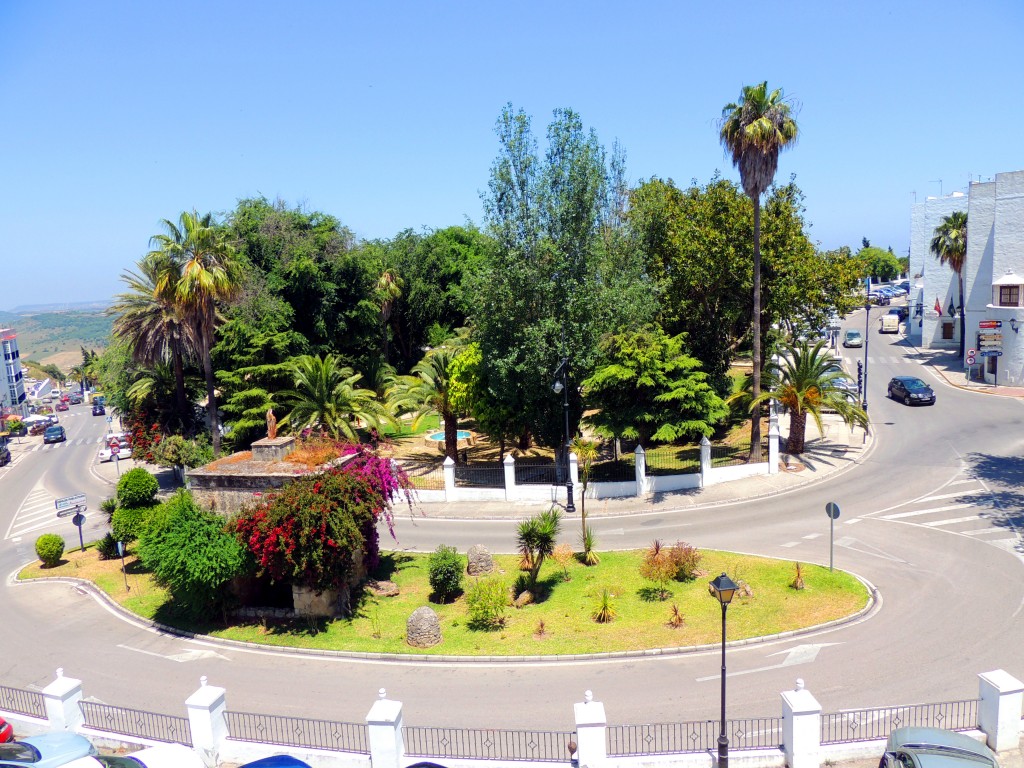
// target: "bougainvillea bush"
[[311, 531]]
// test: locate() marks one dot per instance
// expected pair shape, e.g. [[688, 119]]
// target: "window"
[[1009, 295], [947, 331]]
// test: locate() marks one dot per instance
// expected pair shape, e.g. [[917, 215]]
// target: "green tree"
[[648, 388], [197, 263], [878, 264], [805, 382], [754, 130], [536, 537], [428, 390], [950, 244], [325, 397]]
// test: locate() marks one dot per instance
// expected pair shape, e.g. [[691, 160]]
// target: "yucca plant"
[[588, 540], [605, 612]]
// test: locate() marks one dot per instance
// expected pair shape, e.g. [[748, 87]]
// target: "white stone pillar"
[[640, 465], [61, 698], [591, 747], [574, 469], [801, 728], [999, 712], [705, 461], [384, 727], [773, 446], [449, 478], [510, 478], [206, 720]]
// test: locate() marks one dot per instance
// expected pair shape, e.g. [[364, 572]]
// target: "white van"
[[889, 324]]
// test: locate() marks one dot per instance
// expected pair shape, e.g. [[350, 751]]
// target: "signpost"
[[990, 324], [73, 505], [832, 510], [66, 502]]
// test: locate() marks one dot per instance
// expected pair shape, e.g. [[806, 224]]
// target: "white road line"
[[960, 494], [961, 482], [812, 535], [790, 544], [951, 521], [930, 510], [853, 520], [981, 531]]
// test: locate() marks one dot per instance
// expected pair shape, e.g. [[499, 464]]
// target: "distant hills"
[[71, 306], [55, 333]]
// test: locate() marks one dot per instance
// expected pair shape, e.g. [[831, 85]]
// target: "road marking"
[[961, 482], [790, 544], [978, 496], [36, 506], [930, 510], [847, 542], [853, 520], [193, 654], [951, 521], [812, 535], [801, 654], [980, 531]]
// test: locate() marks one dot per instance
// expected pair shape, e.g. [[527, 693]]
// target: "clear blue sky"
[[116, 115]]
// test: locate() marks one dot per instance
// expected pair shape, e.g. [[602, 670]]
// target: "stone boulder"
[[381, 588], [524, 599], [423, 629], [480, 562]]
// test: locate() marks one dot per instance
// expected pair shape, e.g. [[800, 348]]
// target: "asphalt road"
[[930, 517]]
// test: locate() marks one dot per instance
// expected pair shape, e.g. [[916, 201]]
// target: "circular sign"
[[832, 510], [972, 352], [115, 446], [78, 519], [970, 359]]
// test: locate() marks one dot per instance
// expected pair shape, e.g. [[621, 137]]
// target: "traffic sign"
[[991, 353], [972, 352], [68, 512], [78, 519], [66, 502], [115, 446], [990, 324], [110, 419], [970, 359], [832, 510]]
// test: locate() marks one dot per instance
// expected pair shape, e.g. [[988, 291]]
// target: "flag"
[[938, 306], [952, 309]]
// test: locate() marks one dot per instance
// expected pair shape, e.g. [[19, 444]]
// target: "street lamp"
[[724, 589], [867, 339], [561, 386]]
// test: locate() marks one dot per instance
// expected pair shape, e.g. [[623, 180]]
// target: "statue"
[[271, 424]]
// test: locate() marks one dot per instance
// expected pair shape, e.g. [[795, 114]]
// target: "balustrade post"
[[61, 698], [591, 723], [449, 478], [801, 728], [999, 712], [705, 461], [206, 720], [640, 465], [509, 465], [384, 729]]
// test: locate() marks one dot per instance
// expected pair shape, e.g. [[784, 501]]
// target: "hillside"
[[57, 337]]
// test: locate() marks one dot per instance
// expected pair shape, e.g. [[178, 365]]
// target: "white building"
[[12, 388], [993, 279]]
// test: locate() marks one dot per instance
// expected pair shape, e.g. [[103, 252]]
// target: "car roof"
[[908, 379]]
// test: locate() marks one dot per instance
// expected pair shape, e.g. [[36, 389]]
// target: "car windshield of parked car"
[[19, 752], [112, 761]]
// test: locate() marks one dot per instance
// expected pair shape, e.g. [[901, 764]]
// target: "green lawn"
[[558, 624]]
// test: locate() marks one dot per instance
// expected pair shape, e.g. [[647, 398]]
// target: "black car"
[[911, 390], [99, 410], [54, 434], [903, 312]]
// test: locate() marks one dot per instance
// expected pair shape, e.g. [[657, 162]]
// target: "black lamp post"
[[724, 589], [867, 339], [561, 386]]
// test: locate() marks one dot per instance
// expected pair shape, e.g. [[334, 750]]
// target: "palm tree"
[[586, 455], [536, 538], [755, 130], [805, 382], [950, 245], [196, 263], [153, 322], [387, 291], [325, 397], [428, 390]]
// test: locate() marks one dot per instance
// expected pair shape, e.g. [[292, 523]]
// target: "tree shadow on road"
[[1003, 476]]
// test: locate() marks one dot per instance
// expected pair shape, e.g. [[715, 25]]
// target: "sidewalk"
[[949, 365]]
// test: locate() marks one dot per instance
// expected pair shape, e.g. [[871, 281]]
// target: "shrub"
[[657, 566], [605, 611], [445, 568], [128, 522], [137, 488], [562, 554], [588, 540], [107, 547], [675, 619], [687, 561], [108, 506], [487, 603], [50, 549]]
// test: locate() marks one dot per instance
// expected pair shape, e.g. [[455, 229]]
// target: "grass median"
[[560, 622]]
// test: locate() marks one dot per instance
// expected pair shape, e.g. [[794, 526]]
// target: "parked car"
[[852, 338], [6, 731], [54, 434], [901, 312], [911, 390], [124, 446], [75, 398], [38, 428], [844, 383], [48, 750], [62, 406], [277, 761], [162, 756], [878, 298], [98, 410], [5, 459], [935, 748], [53, 418]]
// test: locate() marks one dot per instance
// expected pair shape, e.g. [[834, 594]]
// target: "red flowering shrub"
[[144, 435]]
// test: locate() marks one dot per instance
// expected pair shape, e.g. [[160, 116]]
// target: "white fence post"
[[449, 478], [510, 478], [384, 727], [705, 461], [1000, 709], [640, 466], [206, 720], [61, 698], [574, 470], [773, 447], [801, 727], [591, 747]]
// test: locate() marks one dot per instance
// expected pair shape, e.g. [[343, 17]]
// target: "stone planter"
[[327, 604]]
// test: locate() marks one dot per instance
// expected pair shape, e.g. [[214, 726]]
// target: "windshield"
[[19, 752], [915, 384], [853, 334]]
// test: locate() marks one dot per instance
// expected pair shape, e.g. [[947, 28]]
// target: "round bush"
[[128, 522], [445, 568], [50, 548], [137, 488]]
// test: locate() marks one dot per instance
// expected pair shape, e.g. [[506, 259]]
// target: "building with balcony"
[[12, 387]]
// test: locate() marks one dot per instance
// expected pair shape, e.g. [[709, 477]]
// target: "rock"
[[381, 588], [423, 629], [525, 598], [480, 562]]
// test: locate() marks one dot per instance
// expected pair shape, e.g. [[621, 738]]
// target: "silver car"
[[935, 748]]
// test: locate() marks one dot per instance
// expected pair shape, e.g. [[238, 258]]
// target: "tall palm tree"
[[152, 320], [200, 266], [325, 397], [428, 390], [387, 291], [754, 130], [586, 455], [805, 381], [950, 245]]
